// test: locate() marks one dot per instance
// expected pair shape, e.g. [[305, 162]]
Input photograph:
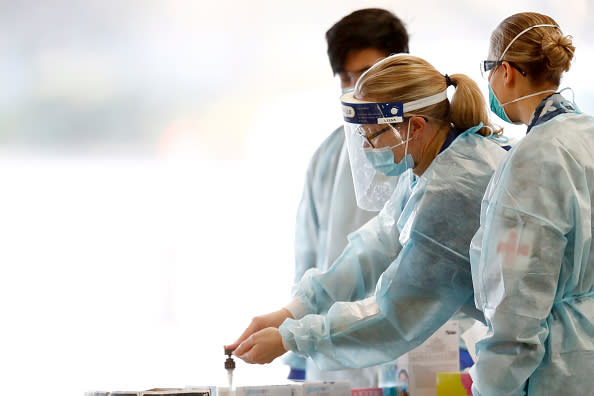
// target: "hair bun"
[[558, 50]]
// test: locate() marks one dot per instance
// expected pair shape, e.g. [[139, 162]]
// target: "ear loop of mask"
[[408, 138], [527, 96], [405, 141], [413, 180]]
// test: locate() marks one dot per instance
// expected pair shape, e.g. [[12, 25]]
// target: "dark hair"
[[403, 371], [366, 28]]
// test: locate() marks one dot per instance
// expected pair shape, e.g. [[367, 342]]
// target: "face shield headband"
[[372, 188]]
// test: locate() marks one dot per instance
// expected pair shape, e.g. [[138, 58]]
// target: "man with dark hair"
[[328, 210], [363, 31]]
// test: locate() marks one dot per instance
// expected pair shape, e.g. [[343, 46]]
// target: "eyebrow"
[[364, 69]]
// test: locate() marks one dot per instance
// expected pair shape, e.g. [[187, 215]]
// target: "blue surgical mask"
[[496, 106], [346, 90], [382, 159]]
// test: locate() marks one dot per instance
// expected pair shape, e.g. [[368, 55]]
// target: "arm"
[[371, 249], [415, 296], [354, 274]]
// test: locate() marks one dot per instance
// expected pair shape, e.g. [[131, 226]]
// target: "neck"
[[524, 108], [431, 151]]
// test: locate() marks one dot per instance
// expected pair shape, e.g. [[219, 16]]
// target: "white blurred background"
[[152, 156]]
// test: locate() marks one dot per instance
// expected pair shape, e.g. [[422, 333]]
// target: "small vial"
[[230, 366]]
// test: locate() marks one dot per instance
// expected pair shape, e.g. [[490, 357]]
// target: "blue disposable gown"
[[414, 254], [533, 262], [327, 213]]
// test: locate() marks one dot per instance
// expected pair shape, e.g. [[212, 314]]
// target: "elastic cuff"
[[296, 307], [287, 338]]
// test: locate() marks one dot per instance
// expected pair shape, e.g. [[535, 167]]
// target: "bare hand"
[[272, 319], [261, 347]]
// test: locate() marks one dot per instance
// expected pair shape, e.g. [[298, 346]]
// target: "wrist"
[[296, 308]]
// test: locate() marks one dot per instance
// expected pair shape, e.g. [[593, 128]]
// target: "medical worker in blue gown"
[[407, 271], [532, 258], [328, 210]]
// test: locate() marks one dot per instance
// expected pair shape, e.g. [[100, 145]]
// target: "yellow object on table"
[[454, 384]]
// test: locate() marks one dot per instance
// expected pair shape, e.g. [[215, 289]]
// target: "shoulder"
[[457, 179], [470, 161], [550, 168], [564, 139], [333, 142], [324, 163], [329, 148]]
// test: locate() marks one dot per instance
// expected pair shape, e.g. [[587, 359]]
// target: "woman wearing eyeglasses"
[[407, 271], [532, 258]]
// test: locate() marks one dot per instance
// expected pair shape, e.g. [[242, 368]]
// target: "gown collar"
[[549, 108]]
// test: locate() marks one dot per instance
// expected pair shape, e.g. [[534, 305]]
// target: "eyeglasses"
[[487, 65], [361, 131]]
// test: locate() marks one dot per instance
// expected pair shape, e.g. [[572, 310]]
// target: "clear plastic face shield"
[[369, 126]]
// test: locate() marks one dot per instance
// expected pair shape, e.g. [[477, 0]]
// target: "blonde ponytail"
[[468, 107]]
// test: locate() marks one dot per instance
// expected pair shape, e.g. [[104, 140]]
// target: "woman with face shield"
[[533, 256], [407, 271]]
